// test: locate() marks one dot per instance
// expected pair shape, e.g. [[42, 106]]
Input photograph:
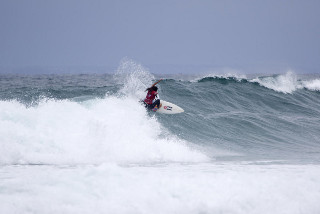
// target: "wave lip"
[[313, 85], [227, 77], [286, 83]]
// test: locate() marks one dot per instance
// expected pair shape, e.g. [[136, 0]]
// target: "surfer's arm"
[[156, 83]]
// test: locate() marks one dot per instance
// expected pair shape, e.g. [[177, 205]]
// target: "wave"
[[223, 78], [284, 83], [313, 85], [225, 115], [90, 129]]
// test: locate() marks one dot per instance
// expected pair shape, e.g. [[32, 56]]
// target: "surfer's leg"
[[157, 103]]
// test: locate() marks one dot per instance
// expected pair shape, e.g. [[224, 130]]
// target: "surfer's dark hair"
[[153, 88]]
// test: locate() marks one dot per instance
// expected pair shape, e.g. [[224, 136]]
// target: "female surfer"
[[150, 101]]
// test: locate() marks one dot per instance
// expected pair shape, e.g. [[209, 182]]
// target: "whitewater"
[[83, 143]]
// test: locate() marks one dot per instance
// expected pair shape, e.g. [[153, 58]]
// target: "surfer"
[[150, 101]]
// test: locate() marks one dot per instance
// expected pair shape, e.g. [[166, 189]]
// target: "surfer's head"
[[154, 88]]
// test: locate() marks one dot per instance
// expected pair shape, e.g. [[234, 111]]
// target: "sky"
[[239, 34]]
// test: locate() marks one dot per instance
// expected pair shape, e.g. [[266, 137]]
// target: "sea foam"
[[313, 85], [96, 131], [285, 83], [173, 188]]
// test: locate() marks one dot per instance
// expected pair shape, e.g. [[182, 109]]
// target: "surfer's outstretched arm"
[[153, 85], [156, 83]]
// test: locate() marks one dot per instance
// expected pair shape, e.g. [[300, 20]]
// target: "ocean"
[[83, 143]]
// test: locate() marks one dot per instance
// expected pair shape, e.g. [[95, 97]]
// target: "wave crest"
[[313, 85], [284, 83]]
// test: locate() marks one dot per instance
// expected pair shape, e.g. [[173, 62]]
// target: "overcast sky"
[[230, 33]]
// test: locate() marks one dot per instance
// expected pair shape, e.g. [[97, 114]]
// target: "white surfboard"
[[169, 108]]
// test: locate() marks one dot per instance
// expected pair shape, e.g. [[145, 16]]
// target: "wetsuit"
[[149, 100]]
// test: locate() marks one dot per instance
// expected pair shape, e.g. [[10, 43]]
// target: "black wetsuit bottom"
[[154, 104]]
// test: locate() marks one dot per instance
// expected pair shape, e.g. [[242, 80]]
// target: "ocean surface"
[[83, 143]]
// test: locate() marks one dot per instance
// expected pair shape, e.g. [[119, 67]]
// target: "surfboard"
[[169, 108]]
